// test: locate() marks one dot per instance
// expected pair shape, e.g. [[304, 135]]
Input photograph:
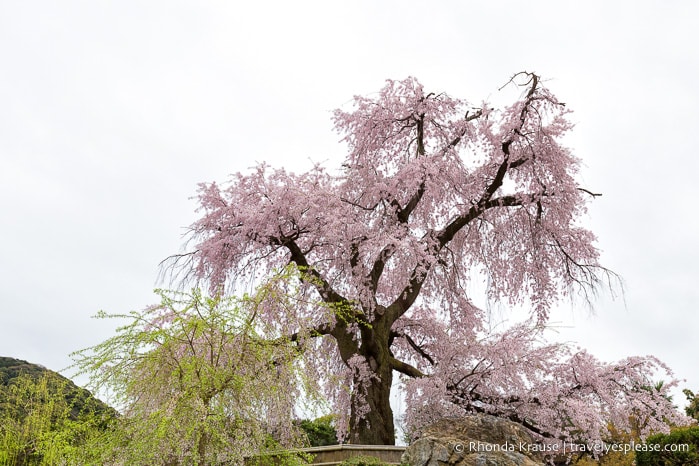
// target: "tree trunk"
[[376, 426], [201, 448]]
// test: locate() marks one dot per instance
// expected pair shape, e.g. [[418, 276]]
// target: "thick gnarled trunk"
[[376, 426], [371, 421]]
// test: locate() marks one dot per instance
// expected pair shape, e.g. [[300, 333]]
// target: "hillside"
[[79, 399]]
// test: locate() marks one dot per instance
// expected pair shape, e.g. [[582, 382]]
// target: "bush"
[[45, 419], [363, 461], [320, 432], [678, 436]]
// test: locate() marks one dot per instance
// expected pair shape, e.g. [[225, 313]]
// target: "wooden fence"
[[333, 455]]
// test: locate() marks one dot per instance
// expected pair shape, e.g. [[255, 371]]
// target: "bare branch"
[[589, 192]]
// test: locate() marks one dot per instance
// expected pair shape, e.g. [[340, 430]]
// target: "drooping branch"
[[514, 417], [480, 404], [447, 233], [507, 164]]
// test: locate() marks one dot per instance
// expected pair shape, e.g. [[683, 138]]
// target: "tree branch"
[[589, 192], [403, 213], [457, 139], [405, 368], [419, 349], [317, 331], [327, 293], [412, 289]]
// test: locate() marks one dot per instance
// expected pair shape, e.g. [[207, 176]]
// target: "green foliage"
[[692, 409], [45, 419], [672, 441], [11, 368], [320, 431], [280, 458], [200, 380], [79, 399], [363, 461]]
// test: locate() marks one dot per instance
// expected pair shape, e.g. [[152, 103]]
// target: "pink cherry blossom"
[[433, 194]]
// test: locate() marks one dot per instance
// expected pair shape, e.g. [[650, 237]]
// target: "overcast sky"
[[112, 112]]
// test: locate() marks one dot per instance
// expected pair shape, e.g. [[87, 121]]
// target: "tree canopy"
[[436, 199], [199, 380], [45, 418], [692, 408]]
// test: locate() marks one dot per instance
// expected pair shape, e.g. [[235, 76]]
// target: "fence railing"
[[332, 455]]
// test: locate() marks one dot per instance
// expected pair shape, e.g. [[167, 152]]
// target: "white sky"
[[112, 112]]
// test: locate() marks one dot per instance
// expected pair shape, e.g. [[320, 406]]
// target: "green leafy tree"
[[320, 431], [667, 449], [692, 409], [12, 367], [200, 380], [45, 419]]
